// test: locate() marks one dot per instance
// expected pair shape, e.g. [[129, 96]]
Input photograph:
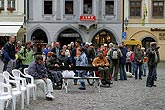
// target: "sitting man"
[[38, 70], [102, 63], [56, 75]]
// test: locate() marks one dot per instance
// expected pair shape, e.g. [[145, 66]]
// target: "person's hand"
[[56, 65], [140, 61]]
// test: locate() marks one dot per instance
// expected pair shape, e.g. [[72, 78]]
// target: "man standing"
[[153, 59], [114, 55], [56, 49], [139, 55], [9, 55]]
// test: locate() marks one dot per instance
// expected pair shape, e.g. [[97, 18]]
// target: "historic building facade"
[[11, 19], [97, 21], [144, 20]]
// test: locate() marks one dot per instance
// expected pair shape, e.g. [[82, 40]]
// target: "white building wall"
[[52, 24]]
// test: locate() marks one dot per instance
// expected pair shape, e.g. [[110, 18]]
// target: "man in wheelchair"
[[103, 68]]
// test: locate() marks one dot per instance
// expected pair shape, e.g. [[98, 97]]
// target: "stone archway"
[[68, 35], [146, 42], [103, 36], [39, 39]]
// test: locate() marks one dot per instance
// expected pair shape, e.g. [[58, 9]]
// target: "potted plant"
[[11, 9]]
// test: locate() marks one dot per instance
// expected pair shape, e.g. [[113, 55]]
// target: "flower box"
[[10, 9]]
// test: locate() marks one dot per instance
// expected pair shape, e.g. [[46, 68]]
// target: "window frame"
[[158, 14], [136, 8], [44, 7], [113, 8], [72, 7], [88, 8], [9, 3], [2, 5]]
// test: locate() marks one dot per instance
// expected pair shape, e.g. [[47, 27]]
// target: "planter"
[[10, 9]]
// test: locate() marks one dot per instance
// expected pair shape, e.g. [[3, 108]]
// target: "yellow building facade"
[[144, 20]]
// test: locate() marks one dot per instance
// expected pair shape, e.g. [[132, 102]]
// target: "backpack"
[[114, 54]]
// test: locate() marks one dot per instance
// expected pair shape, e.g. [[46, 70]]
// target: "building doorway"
[[39, 39], [102, 37], [67, 36], [146, 42]]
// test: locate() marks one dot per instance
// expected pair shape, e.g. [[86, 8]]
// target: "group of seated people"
[[41, 72]]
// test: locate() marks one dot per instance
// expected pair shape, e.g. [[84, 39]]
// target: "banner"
[[144, 14]]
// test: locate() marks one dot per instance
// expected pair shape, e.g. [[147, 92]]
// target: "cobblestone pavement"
[[122, 95]]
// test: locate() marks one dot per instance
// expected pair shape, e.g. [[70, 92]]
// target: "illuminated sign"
[[87, 18]]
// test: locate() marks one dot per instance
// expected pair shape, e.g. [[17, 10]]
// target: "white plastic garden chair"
[[15, 91], [17, 73], [5, 96]]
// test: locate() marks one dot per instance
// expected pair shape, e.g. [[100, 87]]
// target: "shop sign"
[[70, 35], [87, 18], [161, 36]]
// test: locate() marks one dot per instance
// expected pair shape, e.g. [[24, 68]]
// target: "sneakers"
[[49, 96], [82, 88]]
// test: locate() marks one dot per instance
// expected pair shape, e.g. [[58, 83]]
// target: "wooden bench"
[[87, 68]]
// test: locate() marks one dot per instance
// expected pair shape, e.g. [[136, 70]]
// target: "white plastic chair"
[[5, 96], [17, 74], [31, 84], [15, 91]]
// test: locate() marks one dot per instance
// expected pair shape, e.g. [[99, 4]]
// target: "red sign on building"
[[87, 18]]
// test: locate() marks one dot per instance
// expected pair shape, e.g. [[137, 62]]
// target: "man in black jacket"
[[9, 52], [153, 59]]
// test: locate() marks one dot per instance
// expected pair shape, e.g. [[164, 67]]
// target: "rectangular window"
[[48, 7], [135, 8], [109, 8], [87, 7], [1, 4], [11, 4], [68, 7], [158, 8]]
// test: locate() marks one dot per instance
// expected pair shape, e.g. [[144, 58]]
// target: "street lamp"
[[126, 23]]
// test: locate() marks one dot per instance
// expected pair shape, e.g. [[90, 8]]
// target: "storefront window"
[[109, 8], [87, 7], [158, 8], [135, 8], [48, 7], [68, 7]]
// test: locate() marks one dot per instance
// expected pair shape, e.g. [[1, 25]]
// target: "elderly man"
[[102, 63], [38, 70], [153, 59]]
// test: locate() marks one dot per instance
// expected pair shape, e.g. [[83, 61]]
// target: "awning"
[[9, 28]]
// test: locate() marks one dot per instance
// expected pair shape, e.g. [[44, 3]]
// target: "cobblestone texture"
[[122, 95]]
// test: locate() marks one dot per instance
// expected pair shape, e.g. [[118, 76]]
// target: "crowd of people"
[[111, 60]]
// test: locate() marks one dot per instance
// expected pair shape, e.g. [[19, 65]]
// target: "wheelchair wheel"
[[91, 81]]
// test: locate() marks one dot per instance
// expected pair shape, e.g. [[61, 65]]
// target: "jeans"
[[155, 74], [123, 75], [140, 70], [144, 68], [133, 68], [151, 75], [82, 82], [114, 64]]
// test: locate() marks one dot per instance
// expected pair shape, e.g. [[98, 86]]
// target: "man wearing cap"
[[153, 60]]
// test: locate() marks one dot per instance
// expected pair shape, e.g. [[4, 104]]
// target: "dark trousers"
[[129, 67], [104, 71], [114, 64], [123, 75], [151, 75], [138, 66]]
